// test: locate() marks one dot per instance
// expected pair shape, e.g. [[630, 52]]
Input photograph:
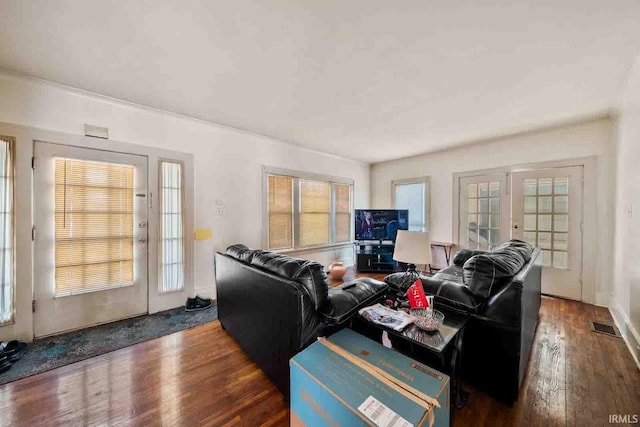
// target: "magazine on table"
[[385, 316]]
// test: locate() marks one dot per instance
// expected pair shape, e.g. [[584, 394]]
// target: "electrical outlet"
[[220, 211]]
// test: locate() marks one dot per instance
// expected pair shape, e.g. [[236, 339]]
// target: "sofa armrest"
[[345, 300]]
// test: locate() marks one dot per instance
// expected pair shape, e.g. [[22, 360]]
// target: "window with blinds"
[[93, 226], [315, 211], [6, 230], [305, 212], [280, 211], [171, 227], [342, 195]]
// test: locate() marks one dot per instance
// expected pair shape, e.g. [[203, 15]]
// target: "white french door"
[[483, 211], [547, 212], [90, 247]]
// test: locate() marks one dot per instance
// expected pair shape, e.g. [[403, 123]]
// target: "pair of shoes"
[[197, 304], [10, 353], [5, 365]]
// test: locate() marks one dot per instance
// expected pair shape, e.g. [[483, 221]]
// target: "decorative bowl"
[[427, 318]]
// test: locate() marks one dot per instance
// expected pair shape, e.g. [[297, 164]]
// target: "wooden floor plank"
[[201, 377]]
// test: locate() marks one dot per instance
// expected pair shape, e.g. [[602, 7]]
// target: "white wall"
[[625, 304], [591, 138], [228, 162]]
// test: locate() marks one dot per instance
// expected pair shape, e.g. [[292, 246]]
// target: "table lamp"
[[412, 247]]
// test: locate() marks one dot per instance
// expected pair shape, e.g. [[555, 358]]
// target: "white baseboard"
[[602, 299], [628, 332]]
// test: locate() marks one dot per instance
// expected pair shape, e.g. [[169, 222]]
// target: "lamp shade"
[[412, 247]]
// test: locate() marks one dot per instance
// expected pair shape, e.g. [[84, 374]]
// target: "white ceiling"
[[367, 79]]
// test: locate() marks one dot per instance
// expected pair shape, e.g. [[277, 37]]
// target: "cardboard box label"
[[382, 415]]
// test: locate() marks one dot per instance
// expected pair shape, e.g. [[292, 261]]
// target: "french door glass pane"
[[549, 199], [483, 218]]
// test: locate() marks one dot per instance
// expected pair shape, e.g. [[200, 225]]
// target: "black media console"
[[377, 257]]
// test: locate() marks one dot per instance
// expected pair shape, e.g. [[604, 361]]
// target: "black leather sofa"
[[275, 305], [500, 290]]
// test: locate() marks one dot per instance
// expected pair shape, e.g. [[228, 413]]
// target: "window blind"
[[172, 227], [93, 226], [342, 195], [6, 231], [315, 210], [280, 212]]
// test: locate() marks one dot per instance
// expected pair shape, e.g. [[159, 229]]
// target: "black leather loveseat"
[[500, 290], [276, 305]]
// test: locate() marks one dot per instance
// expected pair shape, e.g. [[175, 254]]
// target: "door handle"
[[142, 240]]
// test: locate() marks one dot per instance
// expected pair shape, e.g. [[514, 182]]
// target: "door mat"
[[45, 354], [603, 328]]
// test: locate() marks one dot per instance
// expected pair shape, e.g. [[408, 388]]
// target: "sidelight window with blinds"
[[171, 227], [6, 230], [307, 212], [93, 226]]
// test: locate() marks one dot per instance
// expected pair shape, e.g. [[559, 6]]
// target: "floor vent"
[[603, 328]]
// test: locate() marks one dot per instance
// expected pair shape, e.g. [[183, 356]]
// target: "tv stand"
[[376, 257]]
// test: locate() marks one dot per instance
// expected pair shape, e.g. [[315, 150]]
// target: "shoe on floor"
[[5, 365], [197, 304], [14, 350], [203, 300]]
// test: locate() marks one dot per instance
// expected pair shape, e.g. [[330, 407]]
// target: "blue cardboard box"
[[350, 380]]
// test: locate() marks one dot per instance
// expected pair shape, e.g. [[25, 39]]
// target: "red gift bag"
[[416, 296]]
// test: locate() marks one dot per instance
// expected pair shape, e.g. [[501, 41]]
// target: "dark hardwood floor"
[[201, 377]]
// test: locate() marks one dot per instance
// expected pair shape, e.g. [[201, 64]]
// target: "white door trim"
[[25, 136]]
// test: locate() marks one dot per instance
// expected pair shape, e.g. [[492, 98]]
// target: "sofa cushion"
[[309, 274], [463, 255], [453, 273], [485, 273], [345, 300], [452, 295]]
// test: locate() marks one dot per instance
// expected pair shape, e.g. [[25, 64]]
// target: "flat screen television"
[[380, 224]]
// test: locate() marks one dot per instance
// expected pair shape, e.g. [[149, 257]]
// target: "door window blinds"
[[6, 231], [93, 226], [172, 233]]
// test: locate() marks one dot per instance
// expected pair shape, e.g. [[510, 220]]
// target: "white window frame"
[[297, 177], [160, 225], [426, 180]]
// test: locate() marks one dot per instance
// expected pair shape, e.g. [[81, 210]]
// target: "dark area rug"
[[49, 353]]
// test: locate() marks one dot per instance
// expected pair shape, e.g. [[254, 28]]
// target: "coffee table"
[[443, 346]]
